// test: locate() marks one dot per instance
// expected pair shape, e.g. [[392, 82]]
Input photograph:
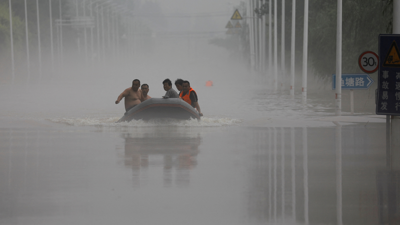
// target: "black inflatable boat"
[[156, 108]]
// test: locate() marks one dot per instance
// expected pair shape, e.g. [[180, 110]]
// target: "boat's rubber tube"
[[155, 108]]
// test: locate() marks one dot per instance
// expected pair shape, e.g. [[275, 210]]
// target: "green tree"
[[362, 23], [5, 40]]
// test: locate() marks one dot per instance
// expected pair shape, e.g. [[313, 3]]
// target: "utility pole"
[[256, 37], [283, 73], [293, 51], [28, 61], [261, 42], [12, 43], [276, 43], [85, 31], [51, 37], [91, 33], [39, 42], [264, 35], [305, 53], [270, 70], [61, 36], [251, 34], [395, 120]]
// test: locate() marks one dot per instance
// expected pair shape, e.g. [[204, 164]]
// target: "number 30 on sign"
[[368, 62]]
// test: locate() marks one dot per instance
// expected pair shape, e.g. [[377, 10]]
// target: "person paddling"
[[132, 95], [190, 96]]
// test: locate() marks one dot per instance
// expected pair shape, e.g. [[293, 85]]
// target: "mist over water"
[[78, 95], [257, 156]]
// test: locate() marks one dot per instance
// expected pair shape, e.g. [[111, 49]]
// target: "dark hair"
[[136, 80], [186, 82], [167, 81], [145, 85], [179, 81]]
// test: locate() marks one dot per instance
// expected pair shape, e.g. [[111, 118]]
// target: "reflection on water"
[[388, 185], [173, 149], [298, 178], [328, 175]]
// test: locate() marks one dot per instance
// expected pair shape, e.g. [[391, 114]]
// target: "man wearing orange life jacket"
[[190, 96]]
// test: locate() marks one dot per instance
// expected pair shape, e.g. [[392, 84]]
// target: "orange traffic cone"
[[209, 83]]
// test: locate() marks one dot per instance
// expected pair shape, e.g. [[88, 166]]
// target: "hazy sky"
[[195, 15], [195, 6]]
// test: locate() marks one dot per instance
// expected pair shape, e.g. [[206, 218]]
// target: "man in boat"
[[132, 95], [170, 92], [178, 85], [190, 96], [145, 90]]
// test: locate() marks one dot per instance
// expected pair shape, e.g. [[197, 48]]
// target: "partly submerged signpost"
[[388, 92], [368, 62], [353, 81]]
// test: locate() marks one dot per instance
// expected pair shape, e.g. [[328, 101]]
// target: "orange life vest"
[[186, 97]]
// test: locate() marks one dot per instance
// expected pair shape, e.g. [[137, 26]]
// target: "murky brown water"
[[257, 156], [196, 175]]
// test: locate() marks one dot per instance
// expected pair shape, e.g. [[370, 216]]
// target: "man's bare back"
[[131, 96]]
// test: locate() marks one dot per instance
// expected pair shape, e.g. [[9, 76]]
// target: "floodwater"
[[256, 157]]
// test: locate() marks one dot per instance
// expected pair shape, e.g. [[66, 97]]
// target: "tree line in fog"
[[48, 17], [363, 21]]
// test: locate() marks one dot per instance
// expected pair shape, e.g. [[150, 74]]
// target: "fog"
[[257, 156]]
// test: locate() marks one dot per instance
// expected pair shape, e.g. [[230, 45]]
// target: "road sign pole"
[[352, 101], [388, 142]]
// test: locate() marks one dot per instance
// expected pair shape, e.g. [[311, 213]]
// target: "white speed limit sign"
[[368, 62]]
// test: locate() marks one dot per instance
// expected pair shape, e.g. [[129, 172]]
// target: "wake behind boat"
[[156, 108]]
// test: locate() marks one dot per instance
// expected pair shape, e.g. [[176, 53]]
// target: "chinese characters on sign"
[[353, 81], [388, 93], [385, 90]]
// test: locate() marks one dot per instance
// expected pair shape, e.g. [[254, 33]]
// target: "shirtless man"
[[132, 95], [145, 90]]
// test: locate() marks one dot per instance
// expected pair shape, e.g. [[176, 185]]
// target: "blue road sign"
[[353, 81], [388, 92]]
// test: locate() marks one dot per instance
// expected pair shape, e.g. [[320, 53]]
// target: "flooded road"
[[195, 175], [256, 157]]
